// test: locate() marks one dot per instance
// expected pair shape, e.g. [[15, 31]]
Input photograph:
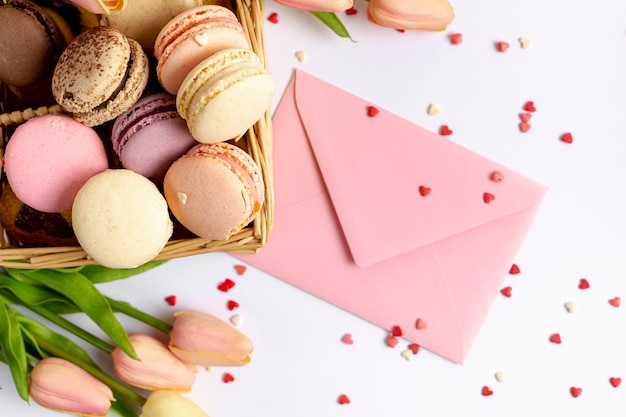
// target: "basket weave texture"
[[257, 142]]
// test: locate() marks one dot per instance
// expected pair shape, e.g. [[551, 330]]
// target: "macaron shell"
[[121, 219]]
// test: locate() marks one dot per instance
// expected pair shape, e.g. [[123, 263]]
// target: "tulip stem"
[[140, 315], [115, 385]]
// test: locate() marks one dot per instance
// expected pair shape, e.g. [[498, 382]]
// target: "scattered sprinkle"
[[201, 39], [500, 376], [420, 324], [396, 331], [615, 381], [497, 176], [445, 130], [525, 117], [502, 46], [456, 38], [524, 127], [575, 391], [391, 341], [407, 354], [530, 106], [506, 291], [400, 30], [351, 11], [584, 284], [347, 339], [570, 306], [615, 302], [372, 111], [182, 197], [486, 391], [171, 300], [231, 305], [343, 399], [424, 191], [524, 42], [241, 269], [414, 348], [226, 285], [555, 338], [433, 110], [228, 378], [567, 138], [488, 197], [301, 56], [514, 269], [273, 18], [237, 319]]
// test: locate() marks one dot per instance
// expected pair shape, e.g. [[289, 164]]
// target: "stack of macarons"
[[141, 139]]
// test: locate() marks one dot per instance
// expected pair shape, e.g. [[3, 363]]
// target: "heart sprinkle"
[[488, 197], [396, 331], [201, 39], [424, 191], [456, 38], [524, 127], [514, 269], [301, 56], [524, 42], [570, 306], [567, 138], [228, 378], [615, 381], [584, 284], [497, 176], [351, 11], [555, 338], [241, 269], [433, 110], [486, 391], [231, 305], [414, 348], [391, 341], [226, 285], [506, 291], [615, 302], [273, 18], [420, 324], [502, 46], [347, 339], [236, 320], [343, 399], [171, 300], [530, 106], [372, 111], [575, 391], [407, 354], [525, 117], [500, 376], [445, 131]]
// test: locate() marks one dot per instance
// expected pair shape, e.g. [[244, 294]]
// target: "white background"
[[574, 70]]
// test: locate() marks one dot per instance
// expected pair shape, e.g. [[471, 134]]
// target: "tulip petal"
[[411, 14], [168, 404], [318, 5]]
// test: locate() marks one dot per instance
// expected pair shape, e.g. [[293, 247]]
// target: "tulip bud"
[[318, 5], [205, 340], [432, 15], [63, 386], [157, 367], [168, 404]]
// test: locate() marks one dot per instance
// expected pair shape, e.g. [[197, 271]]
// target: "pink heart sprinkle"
[[502, 46], [615, 381], [524, 127], [525, 117], [241, 269], [575, 391], [391, 341], [567, 138], [456, 38], [615, 302], [420, 324], [347, 339], [414, 348], [555, 338], [497, 176]]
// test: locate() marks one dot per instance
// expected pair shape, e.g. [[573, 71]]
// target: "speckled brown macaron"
[[101, 74]]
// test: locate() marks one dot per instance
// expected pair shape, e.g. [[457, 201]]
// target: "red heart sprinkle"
[[556, 338], [584, 284], [488, 197], [372, 111], [456, 38], [347, 339], [414, 348], [241, 269], [391, 341], [524, 127], [530, 106], [351, 11], [615, 381], [502, 46], [226, 285], [273, 17], [171, 300], [615, 302], [486, 391], [497, 176], [424, 191], [445, 130], [396, 331], [525, 117], [343, 399], [227, 378], [567, 138], [506, 291], [401, 30], [232, 305], [420, 324], [575, 391], [514, 269]]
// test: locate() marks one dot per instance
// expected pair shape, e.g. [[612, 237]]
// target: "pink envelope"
[[352, 227]]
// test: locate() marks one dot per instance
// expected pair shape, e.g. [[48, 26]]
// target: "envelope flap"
[[373, 168]]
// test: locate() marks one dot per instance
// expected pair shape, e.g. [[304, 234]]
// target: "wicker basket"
[[257, 142]]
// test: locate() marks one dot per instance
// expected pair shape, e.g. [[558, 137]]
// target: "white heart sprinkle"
[[500, 376], [433, 110], [182, 197], [407, 354], [236, 319], [524, 42], [301, 56], [570, 306], [202, 39]]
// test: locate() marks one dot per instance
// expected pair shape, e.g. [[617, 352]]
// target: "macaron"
[[224, 95], [151, 135], [121, 219], [49, 158], [191, 37], [30, 43], [100, 75], [214, 190]]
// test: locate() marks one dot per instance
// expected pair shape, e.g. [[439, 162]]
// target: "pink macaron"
[[192, 36], [214, 190], [150, 136], [49, 158]]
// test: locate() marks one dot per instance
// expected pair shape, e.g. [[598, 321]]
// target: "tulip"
[[318, 5], [62, 386], [157, 367], [168, 404], [411, 14], [205, 340]]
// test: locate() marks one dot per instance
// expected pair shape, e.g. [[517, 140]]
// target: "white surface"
[[574, 72]]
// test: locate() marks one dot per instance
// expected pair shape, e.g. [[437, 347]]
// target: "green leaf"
[[122, 407], [82, 292], [12, 345], [31, 294], [333, 22], [98, 274]]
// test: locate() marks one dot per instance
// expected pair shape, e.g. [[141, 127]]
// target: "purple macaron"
[[150, 136]]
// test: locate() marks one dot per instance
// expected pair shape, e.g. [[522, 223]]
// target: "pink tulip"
[[168, 404], [318, 5], [411, 14], [157, 367], [62, 386], [205, 340]]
